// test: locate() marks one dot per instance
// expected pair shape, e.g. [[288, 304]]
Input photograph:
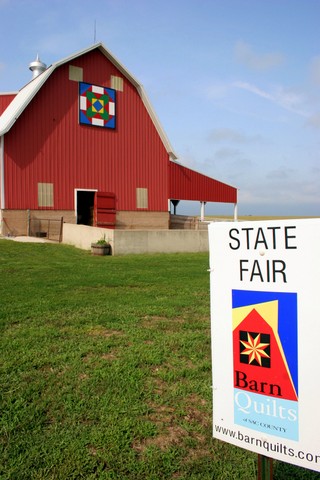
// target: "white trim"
[[4, 94], [2, 196], [21, 101]]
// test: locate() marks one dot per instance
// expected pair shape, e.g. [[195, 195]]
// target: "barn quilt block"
[[97, 105]]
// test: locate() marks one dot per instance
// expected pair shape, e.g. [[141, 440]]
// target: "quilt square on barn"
[[97, 105]]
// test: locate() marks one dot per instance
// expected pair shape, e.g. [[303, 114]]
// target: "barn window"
[[142, 198], [117, 83], [45, 194], [75, 73]]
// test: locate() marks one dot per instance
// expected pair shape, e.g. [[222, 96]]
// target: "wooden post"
[[29, 221], [61, 230], [265, 468]]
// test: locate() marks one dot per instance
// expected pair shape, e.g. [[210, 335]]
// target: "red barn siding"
[[47, 144], [5, 100], [186, 184]]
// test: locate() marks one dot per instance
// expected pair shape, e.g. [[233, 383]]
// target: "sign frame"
[[264, 278]]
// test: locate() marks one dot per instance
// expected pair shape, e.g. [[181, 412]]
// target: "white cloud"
[[245, 54], [283, 190], [281, 173], [253, 89], [229, 165], [285, 98], [226, 153], [232, 136]]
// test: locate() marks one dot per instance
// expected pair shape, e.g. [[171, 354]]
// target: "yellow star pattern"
[[254, 348]]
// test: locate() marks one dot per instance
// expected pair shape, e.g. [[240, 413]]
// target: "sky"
[[234, 83]]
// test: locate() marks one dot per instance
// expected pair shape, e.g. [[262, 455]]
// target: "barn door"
[[105, 209]]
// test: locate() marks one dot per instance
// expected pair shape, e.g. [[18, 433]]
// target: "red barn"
[[81, 141]]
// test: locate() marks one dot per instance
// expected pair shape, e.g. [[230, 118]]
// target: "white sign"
[[265, 323]]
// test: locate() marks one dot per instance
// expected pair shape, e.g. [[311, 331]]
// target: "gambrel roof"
[[28, 92]]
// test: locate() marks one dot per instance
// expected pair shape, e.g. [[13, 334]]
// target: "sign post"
[[265, 323], [265, 468]]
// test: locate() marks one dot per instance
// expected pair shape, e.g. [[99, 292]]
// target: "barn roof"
[[188, 184], [184, 183], [28, 92]]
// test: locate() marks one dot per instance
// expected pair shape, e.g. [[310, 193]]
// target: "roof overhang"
[[187, 184]]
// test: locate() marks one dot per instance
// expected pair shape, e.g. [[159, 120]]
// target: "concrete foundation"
[[125, 242]]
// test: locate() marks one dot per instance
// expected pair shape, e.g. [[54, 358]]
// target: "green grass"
[[106, 370]]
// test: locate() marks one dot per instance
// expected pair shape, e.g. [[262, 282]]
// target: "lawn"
[[106, 370]]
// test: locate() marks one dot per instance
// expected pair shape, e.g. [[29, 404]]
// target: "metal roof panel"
[[27, 93]]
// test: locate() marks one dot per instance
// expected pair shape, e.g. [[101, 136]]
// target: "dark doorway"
[[85, 202]]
